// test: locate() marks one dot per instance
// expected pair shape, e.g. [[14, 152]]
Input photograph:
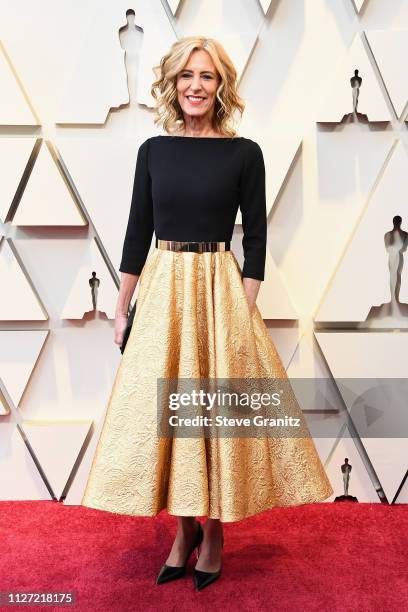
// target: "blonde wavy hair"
[[164, 90]]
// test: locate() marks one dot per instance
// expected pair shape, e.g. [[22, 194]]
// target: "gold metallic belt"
[[195, 247]]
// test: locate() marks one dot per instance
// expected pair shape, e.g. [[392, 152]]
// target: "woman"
[[196, 318]]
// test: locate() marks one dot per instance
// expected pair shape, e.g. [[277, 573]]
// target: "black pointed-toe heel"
[[202, 579], [172, 572]]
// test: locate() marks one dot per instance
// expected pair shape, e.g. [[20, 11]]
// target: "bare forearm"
[[128, 283], [251, 287]]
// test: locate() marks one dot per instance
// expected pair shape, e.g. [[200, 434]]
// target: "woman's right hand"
[[128, 283], [120, 326]]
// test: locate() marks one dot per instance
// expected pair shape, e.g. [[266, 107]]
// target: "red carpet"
[[322, 557]]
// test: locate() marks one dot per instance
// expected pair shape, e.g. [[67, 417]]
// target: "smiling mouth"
[[195, 98]]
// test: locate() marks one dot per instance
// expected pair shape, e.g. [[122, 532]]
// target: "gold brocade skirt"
[[193, 320]]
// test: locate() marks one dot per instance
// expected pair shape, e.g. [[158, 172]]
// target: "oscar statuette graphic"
[[346, 469], [395, 244], [356, 82], [94, 284]]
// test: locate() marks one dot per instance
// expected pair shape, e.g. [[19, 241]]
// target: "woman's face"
[[198, 78]]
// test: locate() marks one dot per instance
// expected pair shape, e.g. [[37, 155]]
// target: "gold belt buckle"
[[193, 246], [179, 246]]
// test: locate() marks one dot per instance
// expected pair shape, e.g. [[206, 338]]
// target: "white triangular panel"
[[104, 192], [19, 476], [240, 48], [279, 154], [339, 101], [14, 109], [63, 387], [360, 484], [358, 4], [349, 163], [367, 368], [79, 300], [403, 494], [18, 301], [96, 78], [324, 447], [105, 74], [390, 48], [324, 444], [390, 460], [19, 352], [14, 155], [306, 362], [56, 445], [273, 299], [173, 4], [76, 490], [365, 355], [361, 281], [317, 398], [212, 19], [46, 199], [285, 340], [362, 363], [265, 4]]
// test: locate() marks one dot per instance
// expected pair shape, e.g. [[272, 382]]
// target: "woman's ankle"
[[187, 525], [213, 527]]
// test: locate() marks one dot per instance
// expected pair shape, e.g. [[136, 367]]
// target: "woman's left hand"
[[251, 288]]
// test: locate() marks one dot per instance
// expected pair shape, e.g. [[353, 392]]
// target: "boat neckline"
[[202, 137]]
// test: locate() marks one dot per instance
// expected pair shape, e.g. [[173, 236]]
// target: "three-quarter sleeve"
[[253, 210], [140, 225]]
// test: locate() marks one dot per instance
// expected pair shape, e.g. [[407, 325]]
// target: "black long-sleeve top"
[[188, 188]]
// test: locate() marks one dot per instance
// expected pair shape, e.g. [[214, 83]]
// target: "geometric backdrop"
[[75, 107]]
